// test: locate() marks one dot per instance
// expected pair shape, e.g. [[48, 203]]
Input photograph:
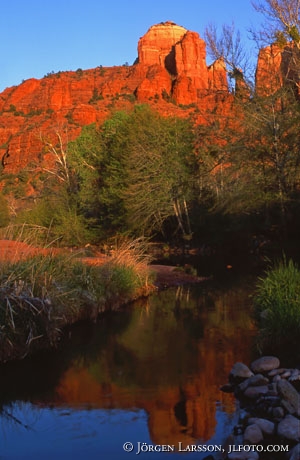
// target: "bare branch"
[[282, 21], [227, 45], [60, 154]]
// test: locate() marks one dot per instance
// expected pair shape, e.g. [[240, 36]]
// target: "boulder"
[[240, 371], [274, 372], [289, 428], [254, 380], [295, 453], [290, 395], [265, 364], [256, 392], [253, 434], [267, 427]]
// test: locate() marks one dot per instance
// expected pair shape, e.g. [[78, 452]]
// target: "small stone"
[[286, 374], [240, 371], [295, 374], [274, 372], [295, 379], [276, 378], [267, 427], [255, 392], [289, 428], [265, 364]]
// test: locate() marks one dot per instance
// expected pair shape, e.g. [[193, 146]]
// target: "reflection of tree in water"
[[170, 359]]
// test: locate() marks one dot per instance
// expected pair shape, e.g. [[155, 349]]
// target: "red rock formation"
[[183, 55], [277, 66], [190, 59], [268, 75], [171, 70], [217, 76], [157, 83], [157, 45]]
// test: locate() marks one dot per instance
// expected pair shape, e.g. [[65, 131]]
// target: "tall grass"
[[26, 233], [277, 304], [41, 294]]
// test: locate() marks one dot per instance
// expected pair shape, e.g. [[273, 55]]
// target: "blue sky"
[[41, 36]]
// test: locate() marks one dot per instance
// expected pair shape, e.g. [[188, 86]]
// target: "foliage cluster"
[[277, 304], [145, 174]]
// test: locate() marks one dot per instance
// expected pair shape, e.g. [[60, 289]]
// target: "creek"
[[150, 373]]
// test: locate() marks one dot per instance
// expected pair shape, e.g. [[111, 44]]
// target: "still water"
[[148, 374]]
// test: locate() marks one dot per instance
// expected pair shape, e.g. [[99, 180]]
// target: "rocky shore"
[[269, 411]]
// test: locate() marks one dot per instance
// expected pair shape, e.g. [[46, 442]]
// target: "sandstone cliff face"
[[171, 72], [276, 66], [171, 75], [182, 54], [268, 76], [157, 45]]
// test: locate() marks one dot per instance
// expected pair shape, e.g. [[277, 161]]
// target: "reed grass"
[[41, 294], [277, 304]]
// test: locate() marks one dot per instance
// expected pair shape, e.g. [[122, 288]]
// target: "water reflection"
[[167, 356]]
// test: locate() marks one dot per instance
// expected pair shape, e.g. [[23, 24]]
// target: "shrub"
[[277, 304]]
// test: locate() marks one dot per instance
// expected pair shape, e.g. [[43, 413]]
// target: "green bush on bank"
[[277, 304], [42, 294]]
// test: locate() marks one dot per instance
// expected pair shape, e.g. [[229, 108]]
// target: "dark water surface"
[[148, 374]]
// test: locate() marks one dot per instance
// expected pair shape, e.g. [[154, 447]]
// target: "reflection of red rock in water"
[[175, 414], [182, 409]]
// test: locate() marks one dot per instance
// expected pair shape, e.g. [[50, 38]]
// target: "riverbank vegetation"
[[41, 294], [277, 305]]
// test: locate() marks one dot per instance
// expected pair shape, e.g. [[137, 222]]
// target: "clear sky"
[[41, 36]]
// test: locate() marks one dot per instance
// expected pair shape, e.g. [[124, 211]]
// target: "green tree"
[[136, 172], [161, 168], [251, 165]]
